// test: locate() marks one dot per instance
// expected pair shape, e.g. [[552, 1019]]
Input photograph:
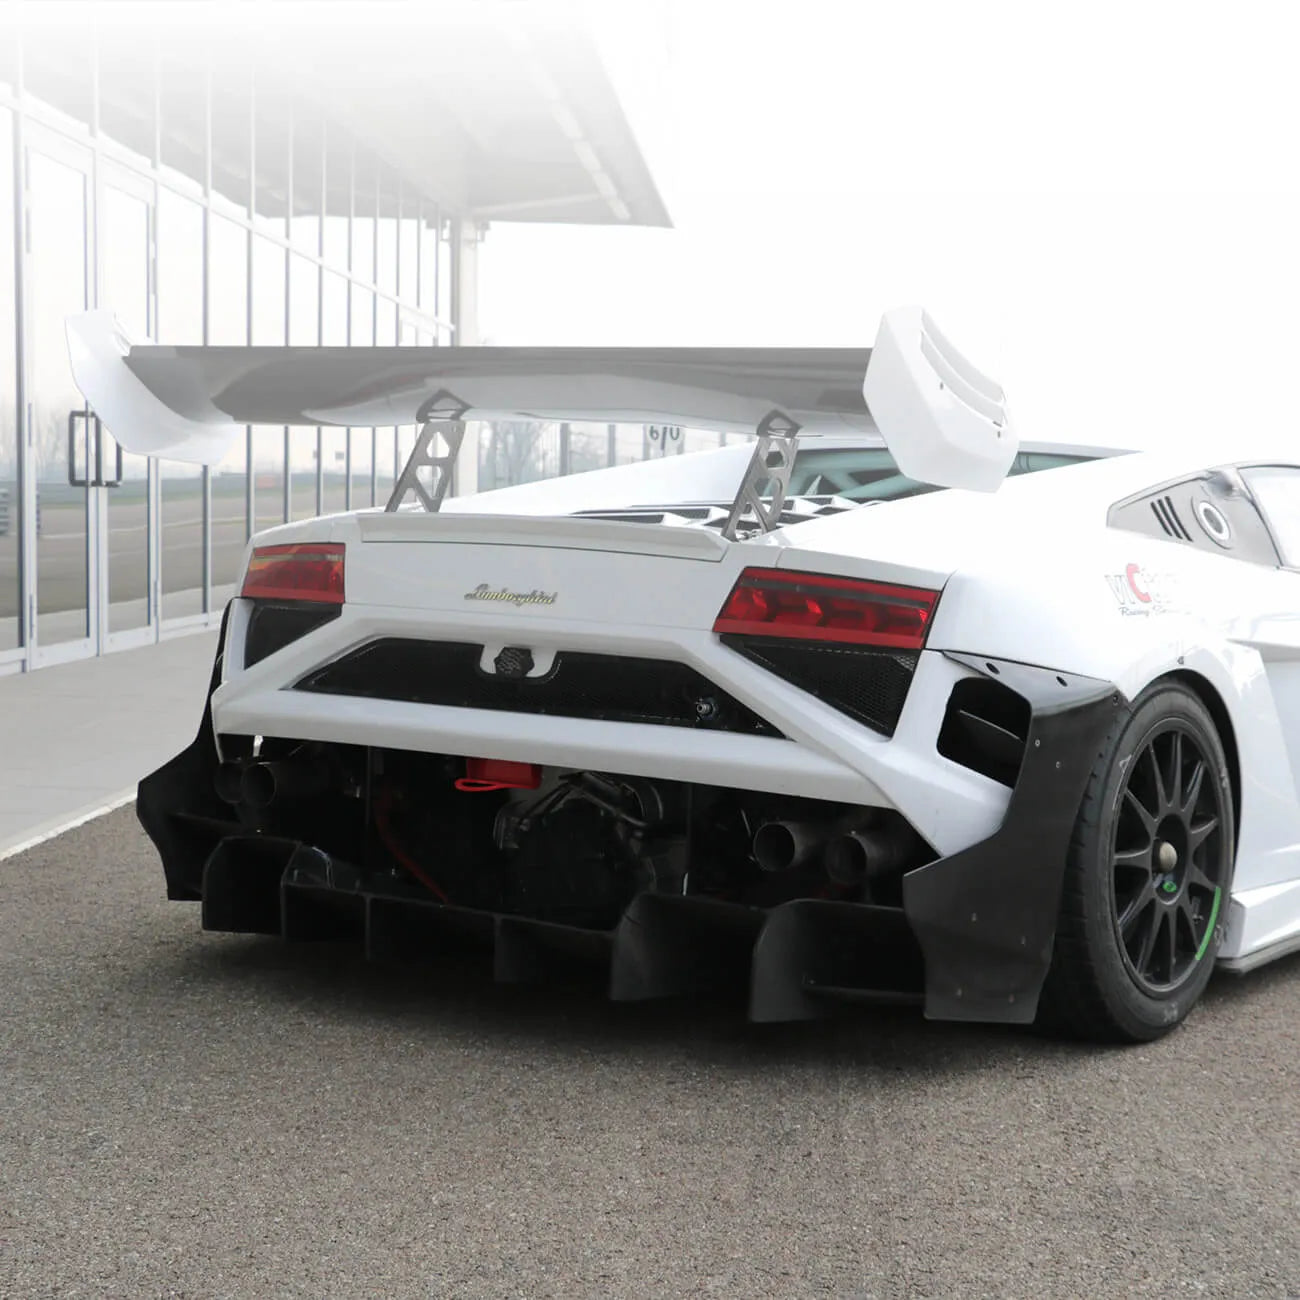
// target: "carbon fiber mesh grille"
[[614, 688], [869, 683], [271, 627]]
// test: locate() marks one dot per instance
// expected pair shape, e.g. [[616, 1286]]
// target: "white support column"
[[464, 313]]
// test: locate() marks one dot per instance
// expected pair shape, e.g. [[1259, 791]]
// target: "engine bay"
[[569, 847]]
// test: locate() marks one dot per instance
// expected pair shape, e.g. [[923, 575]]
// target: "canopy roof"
[[493, 110]]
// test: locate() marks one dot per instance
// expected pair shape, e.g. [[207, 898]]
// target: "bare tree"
[[516, 454], [49, 448]]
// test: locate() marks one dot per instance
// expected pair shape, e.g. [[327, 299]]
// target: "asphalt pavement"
[[190, 1115]]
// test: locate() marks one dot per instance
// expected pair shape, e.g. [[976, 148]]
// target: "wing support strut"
[[441, 416], [766, 476]]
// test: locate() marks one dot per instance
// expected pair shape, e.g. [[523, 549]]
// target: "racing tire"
[[1147, 878]]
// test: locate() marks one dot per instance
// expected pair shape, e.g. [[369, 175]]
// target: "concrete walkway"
[[76, 738]]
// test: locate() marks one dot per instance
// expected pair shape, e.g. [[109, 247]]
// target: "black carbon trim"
[[613, 688], [272, 625], [869, 683], [986, 917], [984, 728], [184, 785]]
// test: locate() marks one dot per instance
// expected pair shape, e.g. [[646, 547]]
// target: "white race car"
[[883, 706]]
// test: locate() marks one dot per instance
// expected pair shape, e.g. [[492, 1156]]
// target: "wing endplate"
[[944, 422], [136, 416]]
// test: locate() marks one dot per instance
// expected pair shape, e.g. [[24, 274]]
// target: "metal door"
[[126, 483], [61, 508], [90, 514]]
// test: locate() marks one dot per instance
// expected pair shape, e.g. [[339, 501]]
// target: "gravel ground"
[[193, 1115]]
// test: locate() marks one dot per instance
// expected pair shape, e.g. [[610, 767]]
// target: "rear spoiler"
[[942, 420]]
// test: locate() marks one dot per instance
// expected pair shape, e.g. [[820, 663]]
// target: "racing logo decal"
[[1141, 592], [516, 598]]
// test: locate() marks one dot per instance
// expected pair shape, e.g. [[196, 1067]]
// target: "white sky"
[[1098, 202]]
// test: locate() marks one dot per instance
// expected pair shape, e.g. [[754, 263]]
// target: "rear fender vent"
[[1167, 517], [985, 728]]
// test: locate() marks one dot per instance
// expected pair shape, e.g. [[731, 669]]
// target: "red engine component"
[[498, 774]]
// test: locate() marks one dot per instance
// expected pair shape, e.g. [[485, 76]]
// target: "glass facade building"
[[241, 217], [201, 205]]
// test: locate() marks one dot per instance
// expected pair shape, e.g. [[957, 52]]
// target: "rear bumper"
[[972, 941], [824, 754]]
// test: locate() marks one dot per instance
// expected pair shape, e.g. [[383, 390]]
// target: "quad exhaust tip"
[[850, 850], [258, 785], [862, 855], [782, 846]]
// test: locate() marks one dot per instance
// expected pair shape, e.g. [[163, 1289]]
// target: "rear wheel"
[[1147, 878]]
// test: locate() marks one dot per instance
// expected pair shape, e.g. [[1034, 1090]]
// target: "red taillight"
[[818, 607], [300, 571]]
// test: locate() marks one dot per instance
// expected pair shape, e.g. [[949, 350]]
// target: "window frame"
[[1246, 471]]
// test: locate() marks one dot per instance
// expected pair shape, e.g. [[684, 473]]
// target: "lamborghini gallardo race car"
[[881, 705]]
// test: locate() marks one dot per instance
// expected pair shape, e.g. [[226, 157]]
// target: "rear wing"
[[942, 420]]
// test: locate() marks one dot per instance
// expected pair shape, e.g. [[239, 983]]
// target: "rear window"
[[870, 473]]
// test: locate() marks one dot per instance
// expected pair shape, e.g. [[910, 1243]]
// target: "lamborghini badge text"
[[485, 592]]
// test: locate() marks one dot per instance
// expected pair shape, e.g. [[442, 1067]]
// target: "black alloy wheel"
[[1148, 875], [1169, 867]]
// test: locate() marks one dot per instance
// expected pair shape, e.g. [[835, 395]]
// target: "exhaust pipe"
[[862, 855], [262, 784], [228, 780], [782, 846]]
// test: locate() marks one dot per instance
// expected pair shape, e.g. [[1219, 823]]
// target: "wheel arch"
[[1087, 990], [1205, 691]]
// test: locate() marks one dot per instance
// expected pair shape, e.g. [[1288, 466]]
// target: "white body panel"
[[611, 603], [1030, 572], [1027, 574]]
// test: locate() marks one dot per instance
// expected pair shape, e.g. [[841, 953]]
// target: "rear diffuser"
[[795, 961]]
